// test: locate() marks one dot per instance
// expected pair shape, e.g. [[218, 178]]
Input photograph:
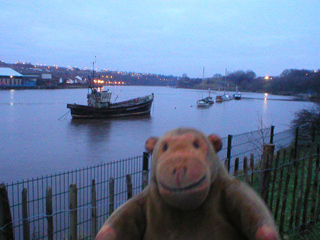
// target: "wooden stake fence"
[[287, 183], [266, 165]]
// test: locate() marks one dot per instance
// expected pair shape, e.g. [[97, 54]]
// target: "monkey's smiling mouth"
[[193, 185]]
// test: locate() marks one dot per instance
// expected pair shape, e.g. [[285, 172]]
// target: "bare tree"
[[307, 120]]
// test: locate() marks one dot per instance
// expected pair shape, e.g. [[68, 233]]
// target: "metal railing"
[[36, 194], [29, 199]]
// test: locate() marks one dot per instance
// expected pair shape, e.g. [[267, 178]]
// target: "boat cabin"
[[99, 99]]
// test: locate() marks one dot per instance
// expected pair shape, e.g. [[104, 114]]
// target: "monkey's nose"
[[179, 174]]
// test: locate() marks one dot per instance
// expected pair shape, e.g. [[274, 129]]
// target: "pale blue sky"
[[162, 36]]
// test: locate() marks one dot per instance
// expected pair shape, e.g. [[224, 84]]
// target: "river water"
[[38, 137]]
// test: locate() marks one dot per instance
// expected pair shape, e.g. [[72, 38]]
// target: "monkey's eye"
[[165, 147], [196, 144]]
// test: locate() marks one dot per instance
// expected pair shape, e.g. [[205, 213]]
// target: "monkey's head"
[[184, 164]]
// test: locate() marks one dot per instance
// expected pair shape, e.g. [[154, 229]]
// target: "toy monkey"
[[190, 196]]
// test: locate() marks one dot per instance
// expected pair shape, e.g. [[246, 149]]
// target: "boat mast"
[[91, 82], [225, 81], [202, 81], [95, 60]]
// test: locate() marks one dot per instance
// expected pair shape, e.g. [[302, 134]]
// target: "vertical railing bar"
[[49, 212], [73, 211], [93, 210], [25, 215]]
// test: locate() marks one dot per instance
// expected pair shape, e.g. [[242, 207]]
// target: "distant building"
[[46, 76], [9, 77], [47, 80]]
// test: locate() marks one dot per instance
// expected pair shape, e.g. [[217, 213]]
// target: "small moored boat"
[[202, 104], [237, 95], [207, 101], [219, 99], [226, 97]]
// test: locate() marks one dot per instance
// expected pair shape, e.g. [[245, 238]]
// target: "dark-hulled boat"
[[99, 106]]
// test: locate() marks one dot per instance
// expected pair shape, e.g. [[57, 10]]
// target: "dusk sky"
[[162, 36]]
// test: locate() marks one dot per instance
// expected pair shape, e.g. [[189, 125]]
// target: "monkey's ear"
[[150, 143], [215, 141]]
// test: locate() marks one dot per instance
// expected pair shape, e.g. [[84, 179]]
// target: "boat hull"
[[219, 99], [203, 105], [237, 96], [133, 107]]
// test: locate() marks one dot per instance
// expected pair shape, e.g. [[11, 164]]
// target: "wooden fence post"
[[6, 229], [300, 194], [251, 168], [49, 213], [274, 179], [111, 192], [279, 186], [296, 140], [245, 169], [227, 165], [25, 221], [129, 186], [313, 132], [294, 191], [73, 196], [307, 192], [271, 134], [145, 180], [236, 167], [315, 186], [317, 208], [268, 151], [284, 196], [93, 210]]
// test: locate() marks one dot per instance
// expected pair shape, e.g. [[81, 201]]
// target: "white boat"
[[208, 99], [237, 95], [226, 97]]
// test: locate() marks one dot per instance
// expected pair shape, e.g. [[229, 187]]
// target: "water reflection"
[[97, 130], [101, 138], [265, 106]]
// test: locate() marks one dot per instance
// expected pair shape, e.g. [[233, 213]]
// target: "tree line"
[[290, 81]]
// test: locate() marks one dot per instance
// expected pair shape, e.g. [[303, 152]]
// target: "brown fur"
[[190, 196]]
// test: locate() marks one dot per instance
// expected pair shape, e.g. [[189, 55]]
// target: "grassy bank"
[[313, 233]]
